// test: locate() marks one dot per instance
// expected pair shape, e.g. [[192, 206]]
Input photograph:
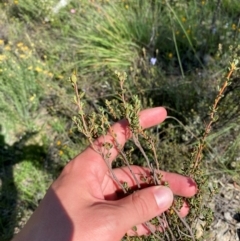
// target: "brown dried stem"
[[200, 148]]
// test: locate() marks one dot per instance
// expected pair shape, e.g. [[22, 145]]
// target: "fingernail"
[[163, 196]]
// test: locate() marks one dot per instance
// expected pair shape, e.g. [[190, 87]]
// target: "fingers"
[[94, 160], [148, 228], [180, 185], [143, 205]]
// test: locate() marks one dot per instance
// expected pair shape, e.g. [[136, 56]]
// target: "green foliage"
[[31, 10], [111, 34], [95, 125], [24, 180], [27, 184], [21, 86], [231, 7], [39, 50]]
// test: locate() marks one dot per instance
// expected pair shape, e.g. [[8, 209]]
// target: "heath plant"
[[95, 124]]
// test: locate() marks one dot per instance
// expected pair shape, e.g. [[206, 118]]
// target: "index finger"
[[95, 162]]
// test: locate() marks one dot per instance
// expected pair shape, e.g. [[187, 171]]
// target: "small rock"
[[228, 216]]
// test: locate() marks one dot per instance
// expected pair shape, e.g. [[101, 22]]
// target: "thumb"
[[143, 205]]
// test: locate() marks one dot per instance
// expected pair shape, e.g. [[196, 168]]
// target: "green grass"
[[39, 50], [21, 85]]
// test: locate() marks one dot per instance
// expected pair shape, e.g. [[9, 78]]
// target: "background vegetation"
[[174, 52]]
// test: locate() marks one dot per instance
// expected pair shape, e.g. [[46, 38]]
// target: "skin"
[[84, 202]]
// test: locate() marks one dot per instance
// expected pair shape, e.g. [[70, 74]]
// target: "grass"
[[39, 50], [21, 86]]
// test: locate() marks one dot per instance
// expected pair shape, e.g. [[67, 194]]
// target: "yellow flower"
[[170, 55], [59, 143], [234, 27], [2, 57], [203, 2], [22, 56], [126, 6], [19, 45], [50, 74], [184, 19], [60, 153], [1, 42], [7, 48], [38, 69], [16, 2], [32, 97], [24, 48]]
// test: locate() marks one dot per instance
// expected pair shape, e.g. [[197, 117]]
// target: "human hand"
[[82, 204]]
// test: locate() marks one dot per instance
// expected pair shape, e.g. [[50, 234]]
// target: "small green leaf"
[[74, 78]]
